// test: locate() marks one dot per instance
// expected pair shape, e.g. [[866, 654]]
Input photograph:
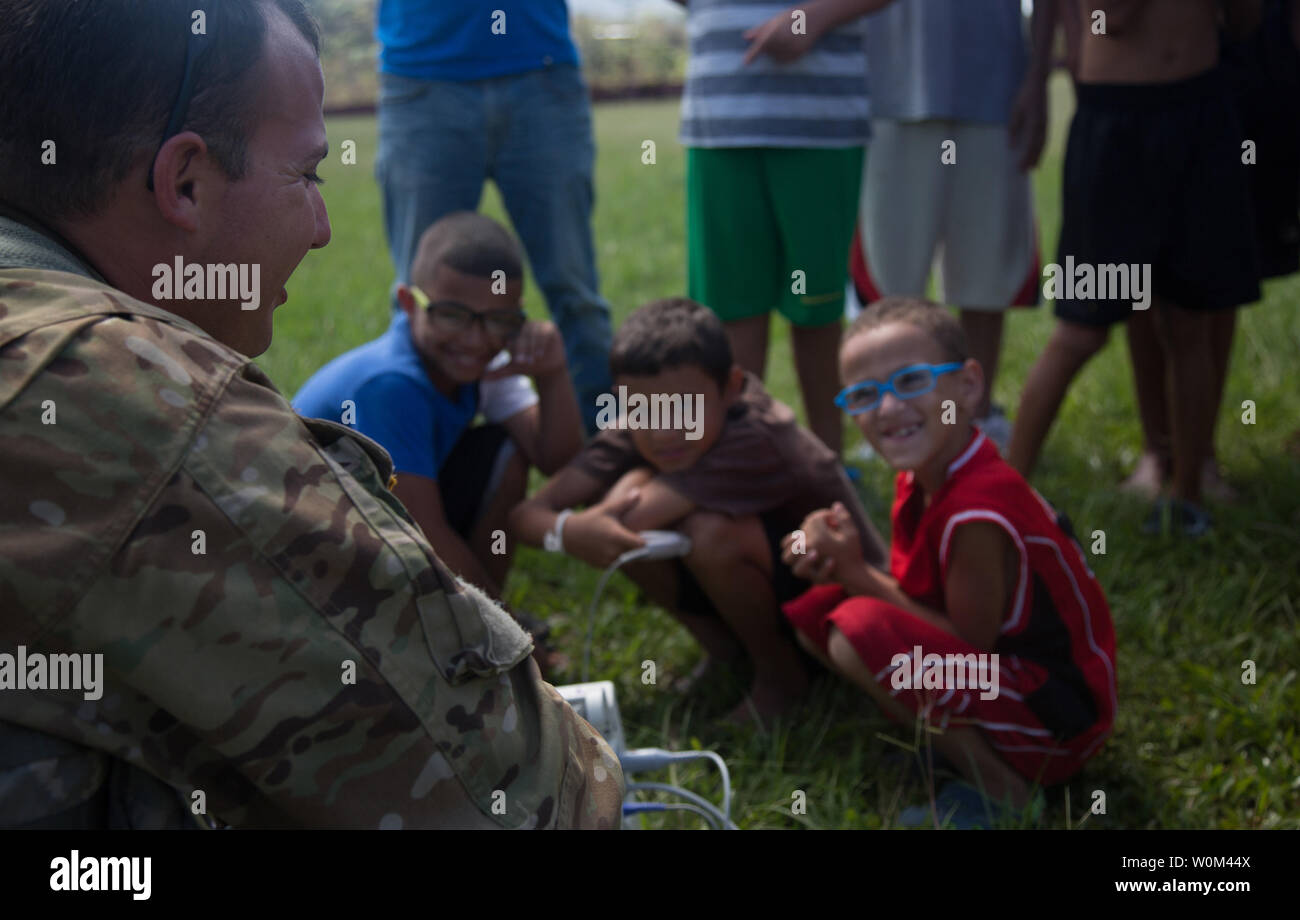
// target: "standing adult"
[[469, 93]]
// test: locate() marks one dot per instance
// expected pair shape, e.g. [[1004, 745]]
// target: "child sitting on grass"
[[979, 565], [461, 347], [742, 475]]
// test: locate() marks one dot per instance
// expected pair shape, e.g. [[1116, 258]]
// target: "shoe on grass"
[[1177, 516], [961, 806], [997, 427]]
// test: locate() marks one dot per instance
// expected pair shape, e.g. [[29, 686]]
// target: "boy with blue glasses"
[[983, 578]]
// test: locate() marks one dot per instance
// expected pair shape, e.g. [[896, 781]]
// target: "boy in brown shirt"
[[735, 475]]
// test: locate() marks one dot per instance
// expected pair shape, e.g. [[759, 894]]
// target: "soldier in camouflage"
[[281, 647]]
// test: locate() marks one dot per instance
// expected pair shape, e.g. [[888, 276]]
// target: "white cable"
[[661, 544], [686, 794], [643, 759], [712, 819]]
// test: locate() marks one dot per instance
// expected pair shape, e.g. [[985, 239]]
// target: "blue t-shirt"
[[456, 39], [394, 401], [962, 60]]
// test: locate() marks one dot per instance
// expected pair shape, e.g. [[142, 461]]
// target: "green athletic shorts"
[[757, 215]]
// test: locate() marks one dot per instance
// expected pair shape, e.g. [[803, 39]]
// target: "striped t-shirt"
[[819, 100]]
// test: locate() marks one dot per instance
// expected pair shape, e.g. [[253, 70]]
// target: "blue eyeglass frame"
[[194, 46], [887, 386]]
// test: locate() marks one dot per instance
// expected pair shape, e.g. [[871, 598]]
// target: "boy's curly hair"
[[925, 315], [669, 333]]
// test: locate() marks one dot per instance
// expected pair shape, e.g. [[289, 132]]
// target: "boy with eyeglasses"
[[460, 347], [980, 567]]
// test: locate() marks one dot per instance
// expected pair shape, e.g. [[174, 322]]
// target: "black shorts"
[[691, 598], [1154, 176], [471, 473], [1265, 74]]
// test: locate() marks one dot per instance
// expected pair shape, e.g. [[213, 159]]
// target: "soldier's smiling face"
[[274, 214]]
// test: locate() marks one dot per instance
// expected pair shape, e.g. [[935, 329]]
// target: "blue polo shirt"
[[394, 400], [455, 39]]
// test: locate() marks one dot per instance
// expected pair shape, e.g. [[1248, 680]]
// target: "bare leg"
[[983, 330], [733, 564], [1186, 335], [1147, 353], [816, 350], [660, 582], [1223, 326], [1067, 351], [510, 492], [966, 748], [749, 343], [806, 644]]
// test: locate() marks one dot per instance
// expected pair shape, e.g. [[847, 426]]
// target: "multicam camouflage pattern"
[[223, 671]]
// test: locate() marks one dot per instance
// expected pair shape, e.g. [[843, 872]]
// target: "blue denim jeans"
[[531, 134]]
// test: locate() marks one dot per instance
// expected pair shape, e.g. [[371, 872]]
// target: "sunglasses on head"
[[194, 46], [450, 316], [905, 383]]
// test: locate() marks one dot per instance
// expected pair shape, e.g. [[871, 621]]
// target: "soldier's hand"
[[597, 536]]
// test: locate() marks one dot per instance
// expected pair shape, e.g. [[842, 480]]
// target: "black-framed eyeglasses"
[[450, 316], [194, 46]]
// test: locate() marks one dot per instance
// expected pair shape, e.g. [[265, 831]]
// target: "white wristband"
[[553, 542]]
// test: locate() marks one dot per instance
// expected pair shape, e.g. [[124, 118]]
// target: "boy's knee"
[[841, 651], [1078, 342], [514, 480], [721, 538], [632, 479], [1178, 328]]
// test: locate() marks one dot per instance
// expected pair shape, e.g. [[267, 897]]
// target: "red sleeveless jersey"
[[1057, 617]]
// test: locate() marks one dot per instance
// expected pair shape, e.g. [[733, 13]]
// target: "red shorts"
[[878, 631]]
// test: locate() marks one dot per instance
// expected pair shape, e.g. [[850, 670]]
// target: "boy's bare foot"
[[1148, 478], [1214, 487], [711, 669], [761, 707]]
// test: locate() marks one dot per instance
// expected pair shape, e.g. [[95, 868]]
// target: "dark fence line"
[[598, 94]]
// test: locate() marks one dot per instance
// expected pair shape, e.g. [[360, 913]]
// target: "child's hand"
[[777, 39], [1027, 128], [832, 547], [537, 351], [597, 536]]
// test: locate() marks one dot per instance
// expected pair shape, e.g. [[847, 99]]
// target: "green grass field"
[[1193, 746]]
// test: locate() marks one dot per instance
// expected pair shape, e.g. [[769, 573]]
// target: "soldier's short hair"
[[925, 315], [100, 78], [668, 333], [469, 242]]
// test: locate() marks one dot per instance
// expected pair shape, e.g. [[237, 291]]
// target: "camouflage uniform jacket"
[[235, 564]]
